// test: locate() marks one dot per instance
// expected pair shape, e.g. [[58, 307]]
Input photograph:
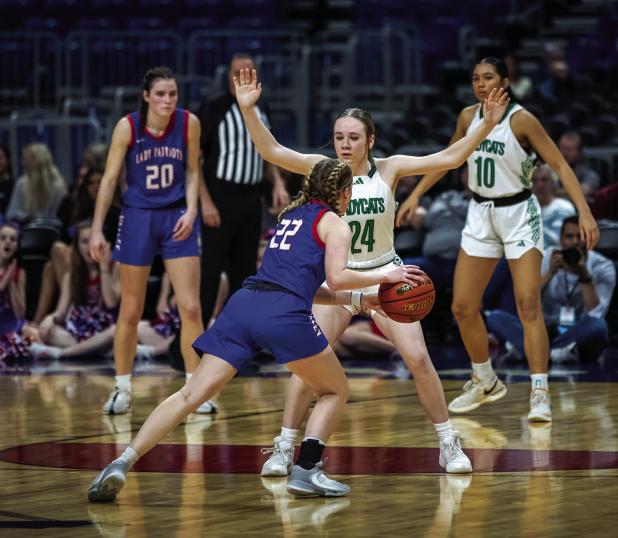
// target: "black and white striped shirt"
[[229, 153]]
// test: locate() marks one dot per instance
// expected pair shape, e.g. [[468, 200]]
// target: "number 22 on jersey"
[[288, 229]]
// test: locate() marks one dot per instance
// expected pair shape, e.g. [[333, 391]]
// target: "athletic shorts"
[[510, 231], [252, 320], [144, 233], [355, 310]]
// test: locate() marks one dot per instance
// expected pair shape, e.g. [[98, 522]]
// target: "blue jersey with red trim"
[[294, 258], [156, 165]]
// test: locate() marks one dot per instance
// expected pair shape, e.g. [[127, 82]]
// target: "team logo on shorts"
[[316, 327]]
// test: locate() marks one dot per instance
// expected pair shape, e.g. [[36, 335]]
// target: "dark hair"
[[14, 226], [83, 205], [326, 179], [239, 56], [576, 137], [502, 70], [573, 219], [366, 119], [79, 274], [5, 149], [154, 73]]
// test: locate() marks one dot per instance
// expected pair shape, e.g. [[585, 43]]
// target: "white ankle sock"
[[123, 382], [444, 429], [289, 434], [484, 371], [539, 381], [129, 456]]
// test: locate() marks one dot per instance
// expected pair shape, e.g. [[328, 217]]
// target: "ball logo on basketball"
[[405, 303]]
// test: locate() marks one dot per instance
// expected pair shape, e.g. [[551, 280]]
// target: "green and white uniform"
[[498, 168], [371, 218]]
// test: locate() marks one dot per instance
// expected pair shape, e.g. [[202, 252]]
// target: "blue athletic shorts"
[[276, 321], [144, 233]]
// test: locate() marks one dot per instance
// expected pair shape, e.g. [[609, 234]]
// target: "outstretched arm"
[[456, 154], [247, 93]]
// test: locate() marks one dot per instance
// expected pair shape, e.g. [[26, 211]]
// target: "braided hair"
[[154, 73], [326, 179]]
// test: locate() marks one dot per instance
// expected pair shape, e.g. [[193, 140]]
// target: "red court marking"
[[228, 459]]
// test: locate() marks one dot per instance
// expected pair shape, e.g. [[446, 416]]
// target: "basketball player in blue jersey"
[[273, 311], [158, 146], [371, 216], [504, 219]]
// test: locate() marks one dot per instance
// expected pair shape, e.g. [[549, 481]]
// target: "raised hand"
[[247, 88], [495, 105], [406, 211]]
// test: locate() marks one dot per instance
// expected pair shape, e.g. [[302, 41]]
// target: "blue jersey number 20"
[[293, 225]]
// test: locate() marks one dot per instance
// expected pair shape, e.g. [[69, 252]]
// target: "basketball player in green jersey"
[[504, 218], [370, 216]]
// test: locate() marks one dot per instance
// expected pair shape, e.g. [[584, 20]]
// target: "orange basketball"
[[405, 303]]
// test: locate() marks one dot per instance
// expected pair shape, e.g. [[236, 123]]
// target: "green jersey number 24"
[[361, 235]]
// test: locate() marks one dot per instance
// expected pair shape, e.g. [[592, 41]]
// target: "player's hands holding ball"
[[247, 88], [410, 274]]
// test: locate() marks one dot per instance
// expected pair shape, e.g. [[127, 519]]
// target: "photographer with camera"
[[577, 286]]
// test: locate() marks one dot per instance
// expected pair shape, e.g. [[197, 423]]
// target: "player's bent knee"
[[190, 311], [463, 310], [529, 309], [418, 362]]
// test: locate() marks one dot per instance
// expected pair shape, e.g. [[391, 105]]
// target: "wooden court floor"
[[548, 480]]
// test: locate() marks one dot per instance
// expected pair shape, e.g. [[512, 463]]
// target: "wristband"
[[585, 280], [355, 298]]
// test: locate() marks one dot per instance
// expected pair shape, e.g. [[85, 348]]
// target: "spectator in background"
[[605, 205], [577, 288], [443, 222], [571, 147], [13, 343], [7, 181], [74, 208], [558, 85], [230, 192], [520, 85], [93, 158], [553, 209], [83, 321], [39, 191]]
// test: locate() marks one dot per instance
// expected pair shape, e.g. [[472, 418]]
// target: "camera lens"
[[571, 256]]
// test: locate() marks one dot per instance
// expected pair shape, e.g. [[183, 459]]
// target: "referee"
[[230, 193]]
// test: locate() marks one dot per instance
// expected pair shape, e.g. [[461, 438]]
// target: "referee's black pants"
[[234, 245]]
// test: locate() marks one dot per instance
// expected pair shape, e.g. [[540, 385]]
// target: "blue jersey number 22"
[[293, 225]]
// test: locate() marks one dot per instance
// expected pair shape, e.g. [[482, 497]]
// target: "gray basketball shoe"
[[314, 483], [108, 483], [281, 461]]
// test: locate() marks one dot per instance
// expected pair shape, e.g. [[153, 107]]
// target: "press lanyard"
[[569, 292]]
